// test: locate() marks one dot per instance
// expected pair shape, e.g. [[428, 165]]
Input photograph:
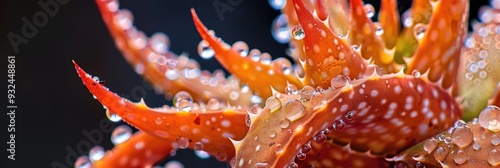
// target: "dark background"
[[54, 107]]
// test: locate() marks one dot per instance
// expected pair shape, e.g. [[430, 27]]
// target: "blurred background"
[[54, 107]]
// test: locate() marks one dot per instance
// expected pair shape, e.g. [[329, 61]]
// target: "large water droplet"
[[112, 116], [489, 118], [121, 134], [298, 33], [96, 153], [204, 50], [160, 43], [280, 30], [462, 136], [294, 110], [183, 101]]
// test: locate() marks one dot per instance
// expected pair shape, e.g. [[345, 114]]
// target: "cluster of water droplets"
[[461, 138]]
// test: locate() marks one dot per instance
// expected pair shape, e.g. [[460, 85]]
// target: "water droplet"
[[273, 134], [160, 43], [294, 110], [407, 19], [318, 100], [284, 123], [201, 154], [416, 73], [355, 47], [338, 125], [183, 142], [489, 118], [291, 89], [280, 30], [273, 103], [124, 19], [248, 120], [83, 162], [121, 134], [338, 82], [419, 31], [461, 157], [494, 157], [301, 156], [298, 32], [306, 148], [204, 50], [379, 30], [462, 136], [306, 93], [320, 137], [255, 55], [213, 104], [241, 48], [255, 99], [495, 140], [277, 4], [265, 59], [183, 101], [293, 165], [112, 116], [369, 10], [430, 145], [255, 109], [349, 115], [284, 65], [96, 153], [440, 154], [221, 156], [476, 146]]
